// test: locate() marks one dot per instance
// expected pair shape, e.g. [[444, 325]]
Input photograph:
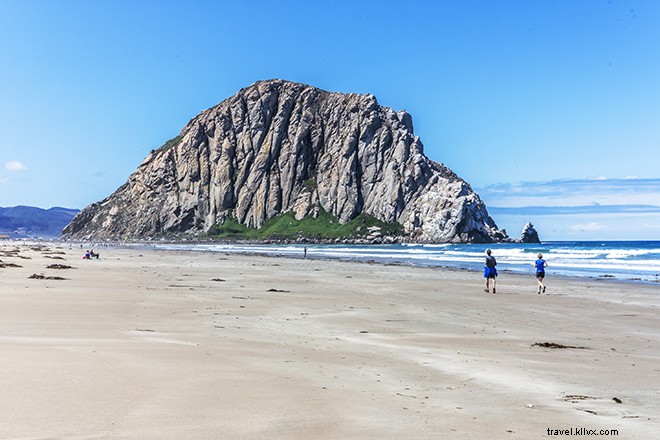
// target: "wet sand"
[[144, 344]]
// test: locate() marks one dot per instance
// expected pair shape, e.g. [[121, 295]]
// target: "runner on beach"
[[540, 264], [489, 271]]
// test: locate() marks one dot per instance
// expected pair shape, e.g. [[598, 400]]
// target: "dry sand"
[[145, 344]]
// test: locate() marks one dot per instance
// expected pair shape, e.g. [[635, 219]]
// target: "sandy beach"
[[144, 344]]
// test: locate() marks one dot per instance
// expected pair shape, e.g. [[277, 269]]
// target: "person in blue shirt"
[[490, 273], [540, 272]]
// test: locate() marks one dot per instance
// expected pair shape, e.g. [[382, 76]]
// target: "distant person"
[[540, 272], [490, 273], [305, 252]]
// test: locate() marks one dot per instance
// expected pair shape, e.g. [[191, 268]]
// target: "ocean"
[[637, 261]]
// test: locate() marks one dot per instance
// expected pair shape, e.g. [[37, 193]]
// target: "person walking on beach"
[[489, 271], [540, 272]]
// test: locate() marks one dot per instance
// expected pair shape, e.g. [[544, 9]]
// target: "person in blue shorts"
[[490, 273], [540, 272]]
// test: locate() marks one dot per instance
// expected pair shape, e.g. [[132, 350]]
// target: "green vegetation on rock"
[[310, 184], [171, 143], [324, 226]]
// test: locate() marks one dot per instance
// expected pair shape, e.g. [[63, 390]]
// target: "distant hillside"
[[31, 222]]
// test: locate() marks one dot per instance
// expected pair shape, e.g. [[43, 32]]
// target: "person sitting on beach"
[[489, 271], [87, 256], [540, 272], [93, 255]]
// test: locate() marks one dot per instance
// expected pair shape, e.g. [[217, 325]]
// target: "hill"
[[32, 222], [278, 149]]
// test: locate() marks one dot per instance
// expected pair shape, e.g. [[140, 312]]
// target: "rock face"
[[279, 146], [529, 234]]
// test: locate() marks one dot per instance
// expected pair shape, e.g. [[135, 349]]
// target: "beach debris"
[[35, 276], [617, 400], [530, 406], [59, 266], [217, 279], [277, 290], [14, 254], [411, 396], [555, 345], [3, 265], [575, 398]]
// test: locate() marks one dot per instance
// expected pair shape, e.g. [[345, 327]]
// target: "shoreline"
[[286, 250], [608, 278], [604, 278], [180, 344]]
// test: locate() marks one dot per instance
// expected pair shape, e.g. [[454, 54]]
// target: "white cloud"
[[593, 226], [14, 165]]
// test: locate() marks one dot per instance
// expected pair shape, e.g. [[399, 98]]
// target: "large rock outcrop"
[[529, 234], [279, 146]]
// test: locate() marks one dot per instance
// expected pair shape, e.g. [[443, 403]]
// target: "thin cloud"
[[14, 165], [593, 226], [575, 210], [577, 192]]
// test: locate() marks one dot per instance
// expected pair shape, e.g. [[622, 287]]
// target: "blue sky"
[[535, 103]]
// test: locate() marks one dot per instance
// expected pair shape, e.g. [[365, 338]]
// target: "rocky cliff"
[[278, 147]]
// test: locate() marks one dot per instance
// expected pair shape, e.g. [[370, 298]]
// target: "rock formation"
[[529, 234], [277, 147]]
